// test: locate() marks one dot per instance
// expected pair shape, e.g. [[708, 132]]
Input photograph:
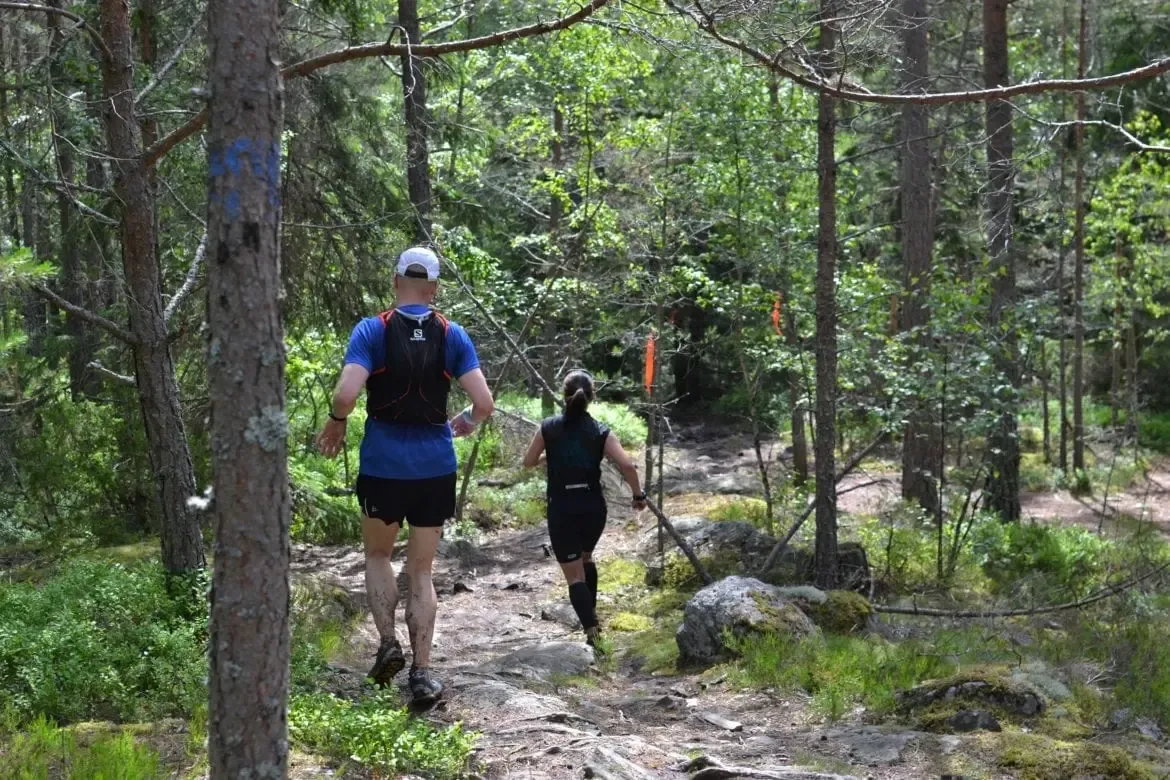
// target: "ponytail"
[[576, 404]]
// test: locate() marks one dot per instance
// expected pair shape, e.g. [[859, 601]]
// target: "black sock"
[[582, 602], [591, 579]]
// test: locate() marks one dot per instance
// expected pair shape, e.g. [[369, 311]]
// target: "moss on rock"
[[842, 612], [1036, 757]]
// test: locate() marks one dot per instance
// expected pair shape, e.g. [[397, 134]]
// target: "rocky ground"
[[547, 708]]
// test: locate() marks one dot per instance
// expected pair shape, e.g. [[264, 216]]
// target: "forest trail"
[[545, 707]]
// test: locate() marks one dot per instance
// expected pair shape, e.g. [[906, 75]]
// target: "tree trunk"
[[1004, 477], [826, 303], [921, 444], [550, 353], [1047, 425], [414, 90], [1079, 261], [249, 428], [158, 392], [11, 203], [71, 275], [796, 413]]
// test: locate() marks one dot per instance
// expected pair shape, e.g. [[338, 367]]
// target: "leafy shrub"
[[749, 510], [378, 735], [45, 751], [521, 505], [625, 424], [104, 642], [1154, 432], [1031, 560], [317, 516]]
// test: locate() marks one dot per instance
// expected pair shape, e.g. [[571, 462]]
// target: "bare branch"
[[188, 283], [92, 318], [856, 93], [1101, 595], [48, 9], [1141, 145], [113, 376], [171, 61], [384, 49], [58, 186]]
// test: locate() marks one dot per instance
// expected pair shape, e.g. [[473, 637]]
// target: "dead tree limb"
[[113, 376], [808, 509], [385, 49], [189, 282], [858, 94], [92, 318], [48, 9], [1100, 595], [662, 518]]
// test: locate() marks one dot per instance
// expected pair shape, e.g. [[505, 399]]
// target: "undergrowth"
[[377, 735], [44, 751], [624, 423]]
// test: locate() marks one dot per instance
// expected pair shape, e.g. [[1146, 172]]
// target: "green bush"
[[1154, 432], [1043, 561], [44, 751], [104, 642], [377, 735], [521, 505], [625, 424], [749, 510]]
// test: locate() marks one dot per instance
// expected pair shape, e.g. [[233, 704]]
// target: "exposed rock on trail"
[[738, 606]]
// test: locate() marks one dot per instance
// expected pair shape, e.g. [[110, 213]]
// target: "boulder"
[[560, 612], [873, 745], [991, 694], [738, 606], [546, 660]]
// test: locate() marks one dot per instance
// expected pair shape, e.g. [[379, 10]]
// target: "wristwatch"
[[640, 497], [335, 418], [467, 415]]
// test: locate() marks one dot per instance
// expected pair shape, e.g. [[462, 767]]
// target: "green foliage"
[[377, 735], [1154, 430], [624, 423], [750, 510], [519, 506], [1043, 561], [45, 751], [101, 641]]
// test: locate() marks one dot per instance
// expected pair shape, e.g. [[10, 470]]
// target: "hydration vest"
[[574, 447], [413, 385]]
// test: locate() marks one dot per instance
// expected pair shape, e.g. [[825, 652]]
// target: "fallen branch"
[[844, 472], [113, 376], [662, 518], [92, 318], [48, 9], [383, 49], [706, 23], [1100, 595]]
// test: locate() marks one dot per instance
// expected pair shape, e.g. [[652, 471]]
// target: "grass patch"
[[377, 735], [43, 751], [628, 426], [841, 672], [520, 506], [748, 510], [628, 622], [656, 648]]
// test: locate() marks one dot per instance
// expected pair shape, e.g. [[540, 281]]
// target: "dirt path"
[[546, 708]]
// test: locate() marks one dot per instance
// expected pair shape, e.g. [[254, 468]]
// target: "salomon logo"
[[418, 335]]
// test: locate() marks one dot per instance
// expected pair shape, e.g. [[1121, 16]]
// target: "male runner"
[[406, 358]]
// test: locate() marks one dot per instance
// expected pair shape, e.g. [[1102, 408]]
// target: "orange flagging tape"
[[776, 315], [651, 349]]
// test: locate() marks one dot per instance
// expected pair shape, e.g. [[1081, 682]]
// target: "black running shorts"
[[575, 524], [424, 503]]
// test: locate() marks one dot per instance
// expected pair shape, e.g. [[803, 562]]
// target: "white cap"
[[418, 262]]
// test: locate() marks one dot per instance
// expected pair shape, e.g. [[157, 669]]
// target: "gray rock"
[[949, 743], [1145, 727], [547, 659], [973, 720], [497, 696], [873, 745], [733, 538], [1017, 697], [739, 606], [606, 764], [560, 612], [686, 526]]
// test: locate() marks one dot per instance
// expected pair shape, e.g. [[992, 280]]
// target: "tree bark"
[[1079, 260], [248, 734], [921, 444], [826, 315], [1004, 477], [158, 392], [414, 90]]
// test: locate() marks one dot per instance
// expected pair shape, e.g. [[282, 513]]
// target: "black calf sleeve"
[[591, 579], [582, 602]]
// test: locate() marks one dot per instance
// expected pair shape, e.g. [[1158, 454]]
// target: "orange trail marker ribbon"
[[776, 307], [651, 350]]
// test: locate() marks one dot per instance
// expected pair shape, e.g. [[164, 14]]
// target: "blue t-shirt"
[[394, 451]]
